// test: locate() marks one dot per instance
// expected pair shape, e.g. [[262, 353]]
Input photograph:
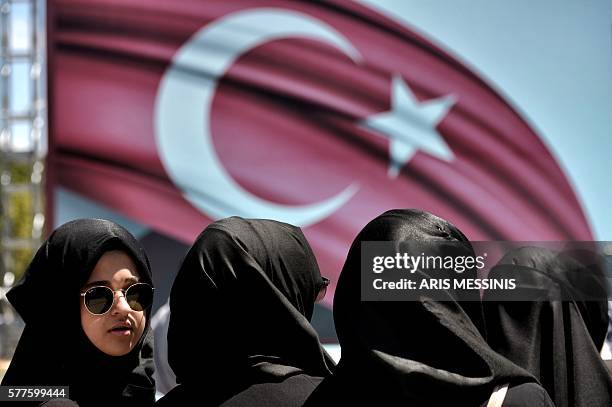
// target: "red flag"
[[325, 113]]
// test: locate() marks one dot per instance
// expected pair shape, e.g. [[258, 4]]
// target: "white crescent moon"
[[182, 113]]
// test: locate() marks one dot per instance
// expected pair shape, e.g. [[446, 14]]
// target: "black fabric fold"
[[558, 337], [240, 309], [412, 353]]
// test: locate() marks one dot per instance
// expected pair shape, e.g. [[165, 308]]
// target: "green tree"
[[17, 215]]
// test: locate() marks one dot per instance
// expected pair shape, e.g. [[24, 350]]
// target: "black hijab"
[[240, 308], [53, 349], [557, 341], [411, 353]]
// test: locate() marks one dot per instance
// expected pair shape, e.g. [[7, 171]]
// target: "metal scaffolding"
[[23, 133]]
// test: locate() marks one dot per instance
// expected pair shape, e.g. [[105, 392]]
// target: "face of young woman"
[[117, 331]]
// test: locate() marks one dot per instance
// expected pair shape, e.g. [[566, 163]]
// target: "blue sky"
[[20, 87]]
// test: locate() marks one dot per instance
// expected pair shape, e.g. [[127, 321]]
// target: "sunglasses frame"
[[123, 291]]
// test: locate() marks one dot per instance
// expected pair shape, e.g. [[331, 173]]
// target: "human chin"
[[114, 337], [120, 344], [122, 336]]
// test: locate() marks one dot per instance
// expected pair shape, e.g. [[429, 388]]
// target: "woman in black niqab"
[[558, 336], [240, 307], [54, 349], [416, 353]]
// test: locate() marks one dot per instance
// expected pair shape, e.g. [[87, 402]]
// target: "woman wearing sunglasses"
[[239, 331], [86, 301]]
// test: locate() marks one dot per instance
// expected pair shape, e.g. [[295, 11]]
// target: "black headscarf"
[[240, 308], [557, 341], [54, 349], [412, 353]]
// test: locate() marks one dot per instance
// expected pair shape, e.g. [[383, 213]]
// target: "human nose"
[[120, 304]]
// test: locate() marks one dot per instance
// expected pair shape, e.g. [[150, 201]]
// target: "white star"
[[411, 125]]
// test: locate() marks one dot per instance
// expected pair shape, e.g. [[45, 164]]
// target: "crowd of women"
[[240, 333]]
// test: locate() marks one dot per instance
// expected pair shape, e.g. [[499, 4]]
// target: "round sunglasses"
[[99, 300]]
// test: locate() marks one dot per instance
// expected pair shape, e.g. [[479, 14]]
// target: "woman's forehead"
[[115, 266]]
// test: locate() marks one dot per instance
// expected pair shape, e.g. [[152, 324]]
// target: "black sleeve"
[[527, 395], [59, 403]]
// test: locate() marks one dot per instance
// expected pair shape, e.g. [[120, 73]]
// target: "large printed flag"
[[322, 114]]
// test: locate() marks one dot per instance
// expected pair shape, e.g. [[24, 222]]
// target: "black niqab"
[[557, 341], [53, 349], [240, 309], [411, 353]]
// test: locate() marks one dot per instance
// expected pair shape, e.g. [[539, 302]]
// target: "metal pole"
[[21, 196]]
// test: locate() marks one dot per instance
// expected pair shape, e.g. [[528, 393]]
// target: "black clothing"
[[289, 391], [292, 391], [59, 403], [53, 349], [335, 391], [412, 353], [528, 394], [240, 307], [557, 341]]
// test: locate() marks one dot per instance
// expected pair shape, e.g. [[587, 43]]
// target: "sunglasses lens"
[[98, 300], [139, 296]]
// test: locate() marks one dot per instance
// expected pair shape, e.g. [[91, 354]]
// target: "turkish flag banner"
[[320, 114]]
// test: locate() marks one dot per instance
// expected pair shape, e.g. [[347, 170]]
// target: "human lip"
[[121, 329]]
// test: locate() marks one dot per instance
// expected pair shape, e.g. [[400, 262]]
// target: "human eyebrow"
[[96, 283], [130, 281], [126, 283]]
